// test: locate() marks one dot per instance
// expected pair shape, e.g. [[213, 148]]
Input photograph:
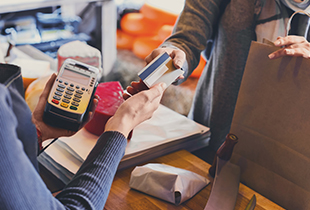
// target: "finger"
[[92, 110], [95, 103], [126, 96], [48, 85], [297, 52], [44, 95], [131, 90], [277, 54], [178, 57], [136, 87], [153, 55], [148, 96], [139, 85], [181, 77], [289, 40], [156, 91], [177, 79]]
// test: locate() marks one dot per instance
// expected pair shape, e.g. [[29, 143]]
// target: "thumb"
[[158, 89], [48, 86], [178, 57]]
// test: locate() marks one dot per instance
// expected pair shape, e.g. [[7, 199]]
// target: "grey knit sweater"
[[228, 27]]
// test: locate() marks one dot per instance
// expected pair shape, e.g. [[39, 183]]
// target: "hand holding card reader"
[[71, 96]]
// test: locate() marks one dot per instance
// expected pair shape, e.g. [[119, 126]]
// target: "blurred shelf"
[[105, 26], [21, 5]]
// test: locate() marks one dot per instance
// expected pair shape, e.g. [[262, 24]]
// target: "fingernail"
[[98, 97], [288, 51], [163, 85], [178, 63], [271, 56], [278, 42]]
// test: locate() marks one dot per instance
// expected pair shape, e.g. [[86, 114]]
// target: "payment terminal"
[[71, 96]]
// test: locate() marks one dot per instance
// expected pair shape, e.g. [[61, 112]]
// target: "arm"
[[21, 185], [92, 183], [97, 172], [296, 46], [191, 33]]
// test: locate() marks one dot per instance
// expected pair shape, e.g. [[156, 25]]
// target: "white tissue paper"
[[166, 182]]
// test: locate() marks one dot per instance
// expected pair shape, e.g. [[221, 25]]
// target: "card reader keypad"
[[68, 95]]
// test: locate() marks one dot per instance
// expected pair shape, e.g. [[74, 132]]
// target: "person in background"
[[223, 30], [20, 184]]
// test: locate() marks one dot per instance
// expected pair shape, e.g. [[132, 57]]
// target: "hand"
[[135, 110], [178, 57], [134, 88], [296, 46], [47, 131]]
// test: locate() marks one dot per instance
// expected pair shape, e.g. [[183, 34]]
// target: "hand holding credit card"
[[161, 69]]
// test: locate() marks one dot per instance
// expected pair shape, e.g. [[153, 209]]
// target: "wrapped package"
[[166, 182]]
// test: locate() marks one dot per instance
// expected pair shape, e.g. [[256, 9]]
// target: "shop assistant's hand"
[[49, 132], [296, 46], [178, 56], [135, 110]]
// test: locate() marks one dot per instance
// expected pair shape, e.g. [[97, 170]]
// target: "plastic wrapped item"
[[79, 51], [166, 182]]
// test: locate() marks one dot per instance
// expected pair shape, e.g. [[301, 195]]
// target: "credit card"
[[161, 69]]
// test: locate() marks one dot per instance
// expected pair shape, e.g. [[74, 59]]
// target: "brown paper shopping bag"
[[272, 122]]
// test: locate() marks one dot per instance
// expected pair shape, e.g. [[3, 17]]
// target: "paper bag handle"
[[290, 20]]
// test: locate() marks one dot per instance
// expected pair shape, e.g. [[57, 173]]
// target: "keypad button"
[[60, 81], [55, 101], [70, 88], [79, 92], [75, 103], [76, 99], [72, 85], [73, 107], [56, 97], [60, 89], [69, 93], [65, 105], [61, 85], [67, 96], [66, 100], [83, 88], [66, 83], [77, 87], [58, 93], [78, 96]]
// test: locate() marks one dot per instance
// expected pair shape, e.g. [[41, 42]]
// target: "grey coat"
[[228, 32]]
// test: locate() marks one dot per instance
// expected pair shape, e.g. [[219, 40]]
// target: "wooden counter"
[[122, 197]]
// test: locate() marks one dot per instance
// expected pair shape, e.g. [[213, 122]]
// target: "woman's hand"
[[296, 46], [47, 131], [135, 110]]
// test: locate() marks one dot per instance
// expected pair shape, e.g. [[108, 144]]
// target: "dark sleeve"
[[90, 187], [194, 28], [21, 186]]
